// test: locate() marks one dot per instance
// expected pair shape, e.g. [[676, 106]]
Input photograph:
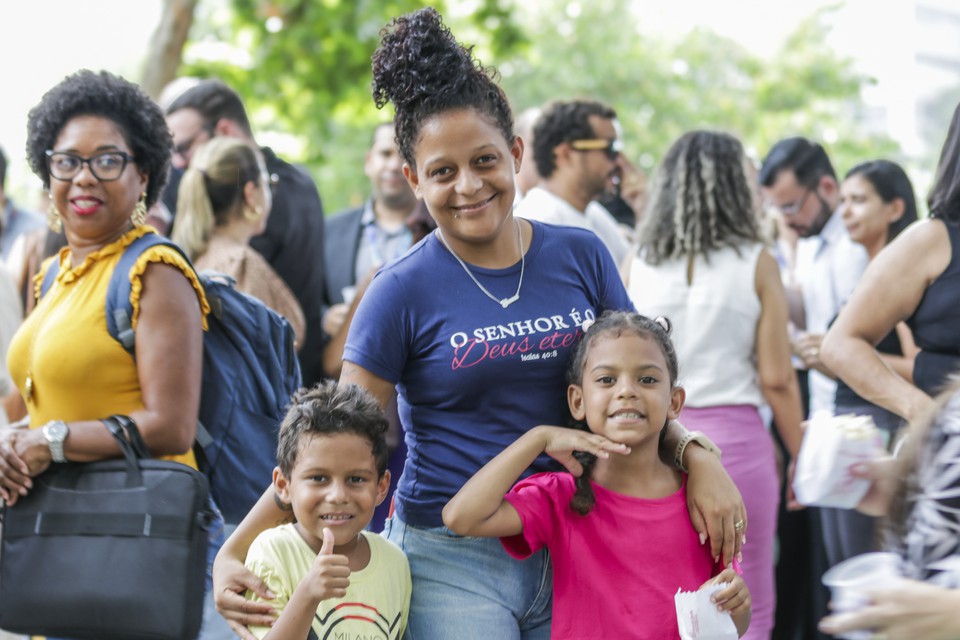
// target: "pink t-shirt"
[[617, 569]]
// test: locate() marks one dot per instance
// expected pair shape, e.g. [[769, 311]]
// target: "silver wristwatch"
[[56, 431]]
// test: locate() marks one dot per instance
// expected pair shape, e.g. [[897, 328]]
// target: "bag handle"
[[130, 453], [133, 437]]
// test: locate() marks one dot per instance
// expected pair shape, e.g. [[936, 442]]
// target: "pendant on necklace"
[[506, 302], [28, 384]]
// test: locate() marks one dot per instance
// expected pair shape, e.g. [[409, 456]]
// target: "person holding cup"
[[921, 492]]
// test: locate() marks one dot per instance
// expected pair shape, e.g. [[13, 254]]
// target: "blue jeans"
[[470, 589], [214, 626]]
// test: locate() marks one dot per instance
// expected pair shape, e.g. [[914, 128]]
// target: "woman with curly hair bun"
[[472, 328], [102, 149]]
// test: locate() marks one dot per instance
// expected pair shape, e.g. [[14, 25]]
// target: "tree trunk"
[[166, 45]]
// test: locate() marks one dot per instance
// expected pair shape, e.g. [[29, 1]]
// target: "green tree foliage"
[[662, 88], [303, 67]]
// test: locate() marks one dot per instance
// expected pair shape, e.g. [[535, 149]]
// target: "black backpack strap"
[[119, 311], [50, 276]]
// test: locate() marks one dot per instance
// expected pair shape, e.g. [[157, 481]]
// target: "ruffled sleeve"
[[172, 257]]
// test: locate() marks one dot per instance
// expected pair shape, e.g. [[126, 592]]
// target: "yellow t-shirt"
[[378, 598], [78, 371]]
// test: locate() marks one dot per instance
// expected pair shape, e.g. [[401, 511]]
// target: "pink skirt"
[[749, 458]]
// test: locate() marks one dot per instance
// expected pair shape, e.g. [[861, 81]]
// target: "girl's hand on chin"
[[560, 442]]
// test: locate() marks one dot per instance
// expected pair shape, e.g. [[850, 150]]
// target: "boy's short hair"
[[328, 409]]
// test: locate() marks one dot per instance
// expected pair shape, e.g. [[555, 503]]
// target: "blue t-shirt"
[[472, 376]]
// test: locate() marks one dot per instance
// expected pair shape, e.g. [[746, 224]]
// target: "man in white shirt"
[[576, 148], [798, 180]]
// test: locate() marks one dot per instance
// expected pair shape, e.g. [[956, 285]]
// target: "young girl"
[[623, 385]]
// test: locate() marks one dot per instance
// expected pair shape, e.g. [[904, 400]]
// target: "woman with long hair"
[[703, 263]]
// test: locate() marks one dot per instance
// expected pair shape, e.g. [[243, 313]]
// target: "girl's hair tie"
[[664, 323]]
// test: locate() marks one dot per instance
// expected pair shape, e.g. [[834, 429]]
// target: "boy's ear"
[[677, 397], [575, 402], [281, 485], [383, 486]]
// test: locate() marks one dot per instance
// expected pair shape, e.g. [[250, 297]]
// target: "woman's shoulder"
[[172, 257], [926, 246]]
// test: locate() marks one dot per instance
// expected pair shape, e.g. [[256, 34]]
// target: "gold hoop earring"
[[253, 214], [139, 215], [54, 221]]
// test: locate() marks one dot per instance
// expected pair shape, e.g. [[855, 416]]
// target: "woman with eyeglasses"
[[703, 263], [223, 201], [102, 149]]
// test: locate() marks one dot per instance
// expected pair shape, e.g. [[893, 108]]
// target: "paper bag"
[[831, 446], [699, 619]]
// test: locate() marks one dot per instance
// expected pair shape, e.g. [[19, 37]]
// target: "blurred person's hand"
[[908, 610], [334, 317], [883, 476]]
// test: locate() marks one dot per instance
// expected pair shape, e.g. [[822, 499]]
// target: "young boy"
[[326, 571]]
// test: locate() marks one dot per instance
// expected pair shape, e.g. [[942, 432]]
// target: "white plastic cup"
[[851, 579]]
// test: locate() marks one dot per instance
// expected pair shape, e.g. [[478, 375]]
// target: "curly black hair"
[[328, 409], [108, 96], [422, 69], [564, 122]]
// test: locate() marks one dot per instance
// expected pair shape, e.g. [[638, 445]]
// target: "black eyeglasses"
[[793, 209], [611, 147], [106, 167]]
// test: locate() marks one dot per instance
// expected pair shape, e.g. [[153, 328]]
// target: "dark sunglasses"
[[611, 147]]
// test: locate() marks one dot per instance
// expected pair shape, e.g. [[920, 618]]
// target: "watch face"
[[56, 431]]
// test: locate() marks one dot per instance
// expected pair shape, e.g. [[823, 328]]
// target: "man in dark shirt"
[[293, 240]]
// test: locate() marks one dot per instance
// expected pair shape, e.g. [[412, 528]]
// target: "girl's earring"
[[53, 219], [252, 213], [139, 215]]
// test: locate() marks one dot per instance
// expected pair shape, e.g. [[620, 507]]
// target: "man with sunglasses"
[[293, 242], [576, 147]]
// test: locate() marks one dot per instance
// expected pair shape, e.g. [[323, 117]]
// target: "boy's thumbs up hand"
[[327, 548], [330, 575]]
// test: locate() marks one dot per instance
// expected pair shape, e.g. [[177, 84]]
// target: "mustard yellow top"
[[78, 371]]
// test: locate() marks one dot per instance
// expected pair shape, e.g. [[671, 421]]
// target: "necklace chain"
[[503, 302]]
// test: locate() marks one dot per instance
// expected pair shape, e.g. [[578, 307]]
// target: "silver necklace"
[[503, 302]]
